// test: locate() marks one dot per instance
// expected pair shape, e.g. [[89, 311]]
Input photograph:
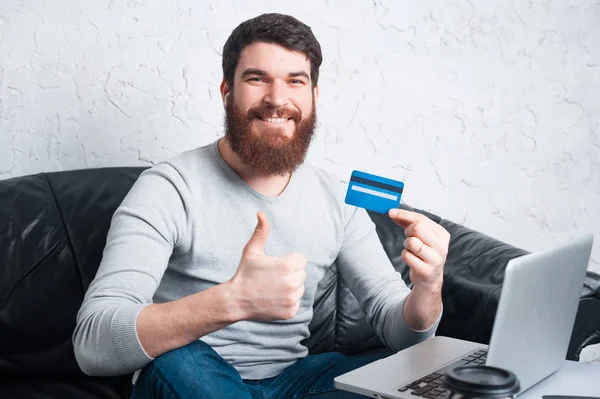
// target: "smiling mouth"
[[274, 120]]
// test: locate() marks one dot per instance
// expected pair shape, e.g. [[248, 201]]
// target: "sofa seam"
[[67, 233], [33, 269], [466, 265], [487, 303]]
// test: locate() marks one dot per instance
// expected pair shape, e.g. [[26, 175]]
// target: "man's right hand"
[[267, 288]]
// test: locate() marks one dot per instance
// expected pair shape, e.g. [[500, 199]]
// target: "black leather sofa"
[[53, 228]]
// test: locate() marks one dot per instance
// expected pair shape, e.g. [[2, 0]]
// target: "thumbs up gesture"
[[267, 288]]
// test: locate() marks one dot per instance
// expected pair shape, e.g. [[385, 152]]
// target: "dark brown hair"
[[280, 29]]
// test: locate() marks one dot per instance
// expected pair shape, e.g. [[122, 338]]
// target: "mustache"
[[269, 111]]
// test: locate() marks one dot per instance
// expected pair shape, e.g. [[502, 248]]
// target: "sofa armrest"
[[473, 277], [586, 330]]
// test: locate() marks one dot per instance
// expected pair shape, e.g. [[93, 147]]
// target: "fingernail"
[[394, 212]]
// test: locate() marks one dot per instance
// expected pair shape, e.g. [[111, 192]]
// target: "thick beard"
[[269, 153]]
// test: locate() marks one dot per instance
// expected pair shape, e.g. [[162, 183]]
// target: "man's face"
[[270, 114]]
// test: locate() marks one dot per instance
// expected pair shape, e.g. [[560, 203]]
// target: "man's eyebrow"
[[253, 71], [300, 73], [260, 72]]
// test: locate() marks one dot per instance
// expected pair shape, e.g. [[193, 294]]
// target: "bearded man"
[[211, 266]]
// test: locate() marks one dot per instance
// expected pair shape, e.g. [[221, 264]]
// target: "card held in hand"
[[372, 192]]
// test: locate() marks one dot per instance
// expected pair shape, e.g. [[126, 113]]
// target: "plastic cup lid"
[[482, 380]]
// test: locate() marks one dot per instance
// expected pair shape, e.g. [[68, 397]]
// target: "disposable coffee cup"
[[480, 382]]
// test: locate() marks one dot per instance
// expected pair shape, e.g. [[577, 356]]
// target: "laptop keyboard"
[[431, 386]]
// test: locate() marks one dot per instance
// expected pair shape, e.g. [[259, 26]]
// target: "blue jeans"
[[197, 371]]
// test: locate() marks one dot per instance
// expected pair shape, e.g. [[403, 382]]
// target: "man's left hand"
[[425, 248]]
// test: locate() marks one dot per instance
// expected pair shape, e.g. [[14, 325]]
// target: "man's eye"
[[297, 81], [255, 79]]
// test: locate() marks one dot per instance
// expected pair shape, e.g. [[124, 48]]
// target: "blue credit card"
[[372, 192]]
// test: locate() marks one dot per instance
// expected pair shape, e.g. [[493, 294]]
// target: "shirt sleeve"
[[379, 289], [144, 230]]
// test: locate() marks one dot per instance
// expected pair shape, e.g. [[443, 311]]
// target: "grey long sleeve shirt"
[[181, 229]]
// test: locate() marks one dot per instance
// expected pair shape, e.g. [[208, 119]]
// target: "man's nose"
[[277, 95]]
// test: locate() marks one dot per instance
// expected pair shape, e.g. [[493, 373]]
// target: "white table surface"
[[573, 378]]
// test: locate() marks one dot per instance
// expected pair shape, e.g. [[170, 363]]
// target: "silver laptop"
[[530, 337]]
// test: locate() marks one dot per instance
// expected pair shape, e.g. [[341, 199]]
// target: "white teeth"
[[275, 120]]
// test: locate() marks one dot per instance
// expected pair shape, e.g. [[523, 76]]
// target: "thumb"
[[403, 218], [256, 244]]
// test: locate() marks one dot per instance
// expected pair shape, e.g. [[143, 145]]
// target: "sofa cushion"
[[56, 226], [40, 288]]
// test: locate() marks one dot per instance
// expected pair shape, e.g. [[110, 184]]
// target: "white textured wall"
[[488, 111]]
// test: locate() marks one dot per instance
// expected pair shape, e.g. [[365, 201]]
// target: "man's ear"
[[316, 93], [225, 92]]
